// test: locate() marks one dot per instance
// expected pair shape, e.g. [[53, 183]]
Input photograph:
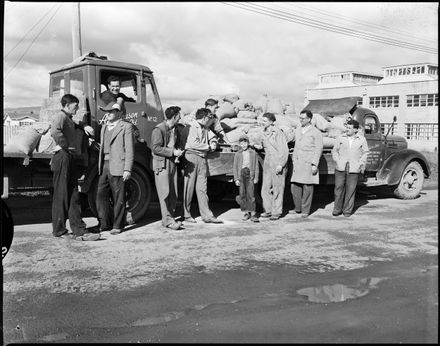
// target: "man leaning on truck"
[[67, 167]]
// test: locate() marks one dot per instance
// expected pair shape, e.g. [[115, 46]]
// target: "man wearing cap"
[[274, 168], [67, 167], [246, 172], [199, 142], [116, 157], [214, 124], [164, 153]]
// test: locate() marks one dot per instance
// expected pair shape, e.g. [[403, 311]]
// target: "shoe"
[[115, 231], [190, 219], [274, 217], [175, 225], [95, 229], [246, 216], [304, 216], [266, 214], [64, 236], [88, 236], [336, 213], [295, 212], [347, 215], [254, 219], [212, 220]]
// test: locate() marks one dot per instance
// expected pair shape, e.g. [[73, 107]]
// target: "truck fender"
[[393, 167]]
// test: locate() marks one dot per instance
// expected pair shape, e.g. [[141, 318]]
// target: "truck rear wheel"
[[138, 190], [411, 182]]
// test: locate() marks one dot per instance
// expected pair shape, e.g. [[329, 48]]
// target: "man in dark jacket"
[[67, 167], [163, 145]]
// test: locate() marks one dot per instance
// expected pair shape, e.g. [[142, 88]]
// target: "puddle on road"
[[322, 294], [339, 293]]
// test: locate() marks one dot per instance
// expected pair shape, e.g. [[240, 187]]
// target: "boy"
[[246, 172]]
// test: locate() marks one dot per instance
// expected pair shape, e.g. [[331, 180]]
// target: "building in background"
[[14, 119], [409, 92]]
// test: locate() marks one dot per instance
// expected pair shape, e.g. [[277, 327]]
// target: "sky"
[[196, 49]]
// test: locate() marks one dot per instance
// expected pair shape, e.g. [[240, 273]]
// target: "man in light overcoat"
[[305, 159]]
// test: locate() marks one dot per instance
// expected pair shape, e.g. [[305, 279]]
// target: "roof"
[[20, 116], [92, 59], [353, 72], [332, 107], [415, 64]]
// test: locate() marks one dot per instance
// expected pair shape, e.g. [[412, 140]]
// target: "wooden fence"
[[9, 132]]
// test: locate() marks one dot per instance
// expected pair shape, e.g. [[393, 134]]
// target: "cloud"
[[197, 49]]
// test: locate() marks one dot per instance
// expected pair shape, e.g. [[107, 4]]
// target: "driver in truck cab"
[[113, 94]]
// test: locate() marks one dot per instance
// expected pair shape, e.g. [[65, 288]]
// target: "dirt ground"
[[372, 277]]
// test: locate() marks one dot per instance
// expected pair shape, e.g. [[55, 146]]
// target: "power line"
[[339, 29], [328, 27], [359, 21], [30, 45], [39, 21]]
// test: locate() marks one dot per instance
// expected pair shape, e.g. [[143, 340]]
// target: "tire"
[[138, 191], [411, 182], [217, 190]]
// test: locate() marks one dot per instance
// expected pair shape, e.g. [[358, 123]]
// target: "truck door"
[[152, 113], [375, 142]]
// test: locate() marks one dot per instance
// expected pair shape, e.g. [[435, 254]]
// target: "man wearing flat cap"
[[116, 157]]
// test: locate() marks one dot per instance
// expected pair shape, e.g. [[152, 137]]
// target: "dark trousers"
[[246, 189], [116, 185], [302, 195], [345, 191], [66, 201]]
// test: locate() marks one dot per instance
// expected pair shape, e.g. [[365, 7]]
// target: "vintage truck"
[[390, 162]]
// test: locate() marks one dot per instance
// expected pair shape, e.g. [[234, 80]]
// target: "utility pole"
[[76, 32]]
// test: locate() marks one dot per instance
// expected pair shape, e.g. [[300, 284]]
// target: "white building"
[[409, 92]]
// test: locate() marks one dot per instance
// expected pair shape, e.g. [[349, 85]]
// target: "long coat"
[[307, 151], [121, 149]]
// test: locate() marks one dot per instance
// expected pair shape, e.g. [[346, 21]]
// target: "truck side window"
[[57, 85], [77, 83], [128, 85], [370, 125], [151, 96]]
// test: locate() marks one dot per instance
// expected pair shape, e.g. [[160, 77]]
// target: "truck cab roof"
[[92, 59]]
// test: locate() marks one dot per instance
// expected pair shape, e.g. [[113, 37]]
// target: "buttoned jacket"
[[121, 156], [307, 152], [160, 137]]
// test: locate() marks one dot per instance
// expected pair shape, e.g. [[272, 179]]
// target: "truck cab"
[[87, 78]]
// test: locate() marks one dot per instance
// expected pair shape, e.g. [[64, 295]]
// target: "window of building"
[[384, 127], [359, 102], [421, 131], [422, 100], [25, 123], [384, 101]]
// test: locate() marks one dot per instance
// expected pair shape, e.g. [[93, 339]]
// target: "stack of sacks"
[[27, 139]]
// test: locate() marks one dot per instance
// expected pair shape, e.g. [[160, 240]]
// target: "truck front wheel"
[[138, 190], [411, 182]]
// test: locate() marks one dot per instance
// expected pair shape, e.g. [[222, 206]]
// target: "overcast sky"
[[198, 49]]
